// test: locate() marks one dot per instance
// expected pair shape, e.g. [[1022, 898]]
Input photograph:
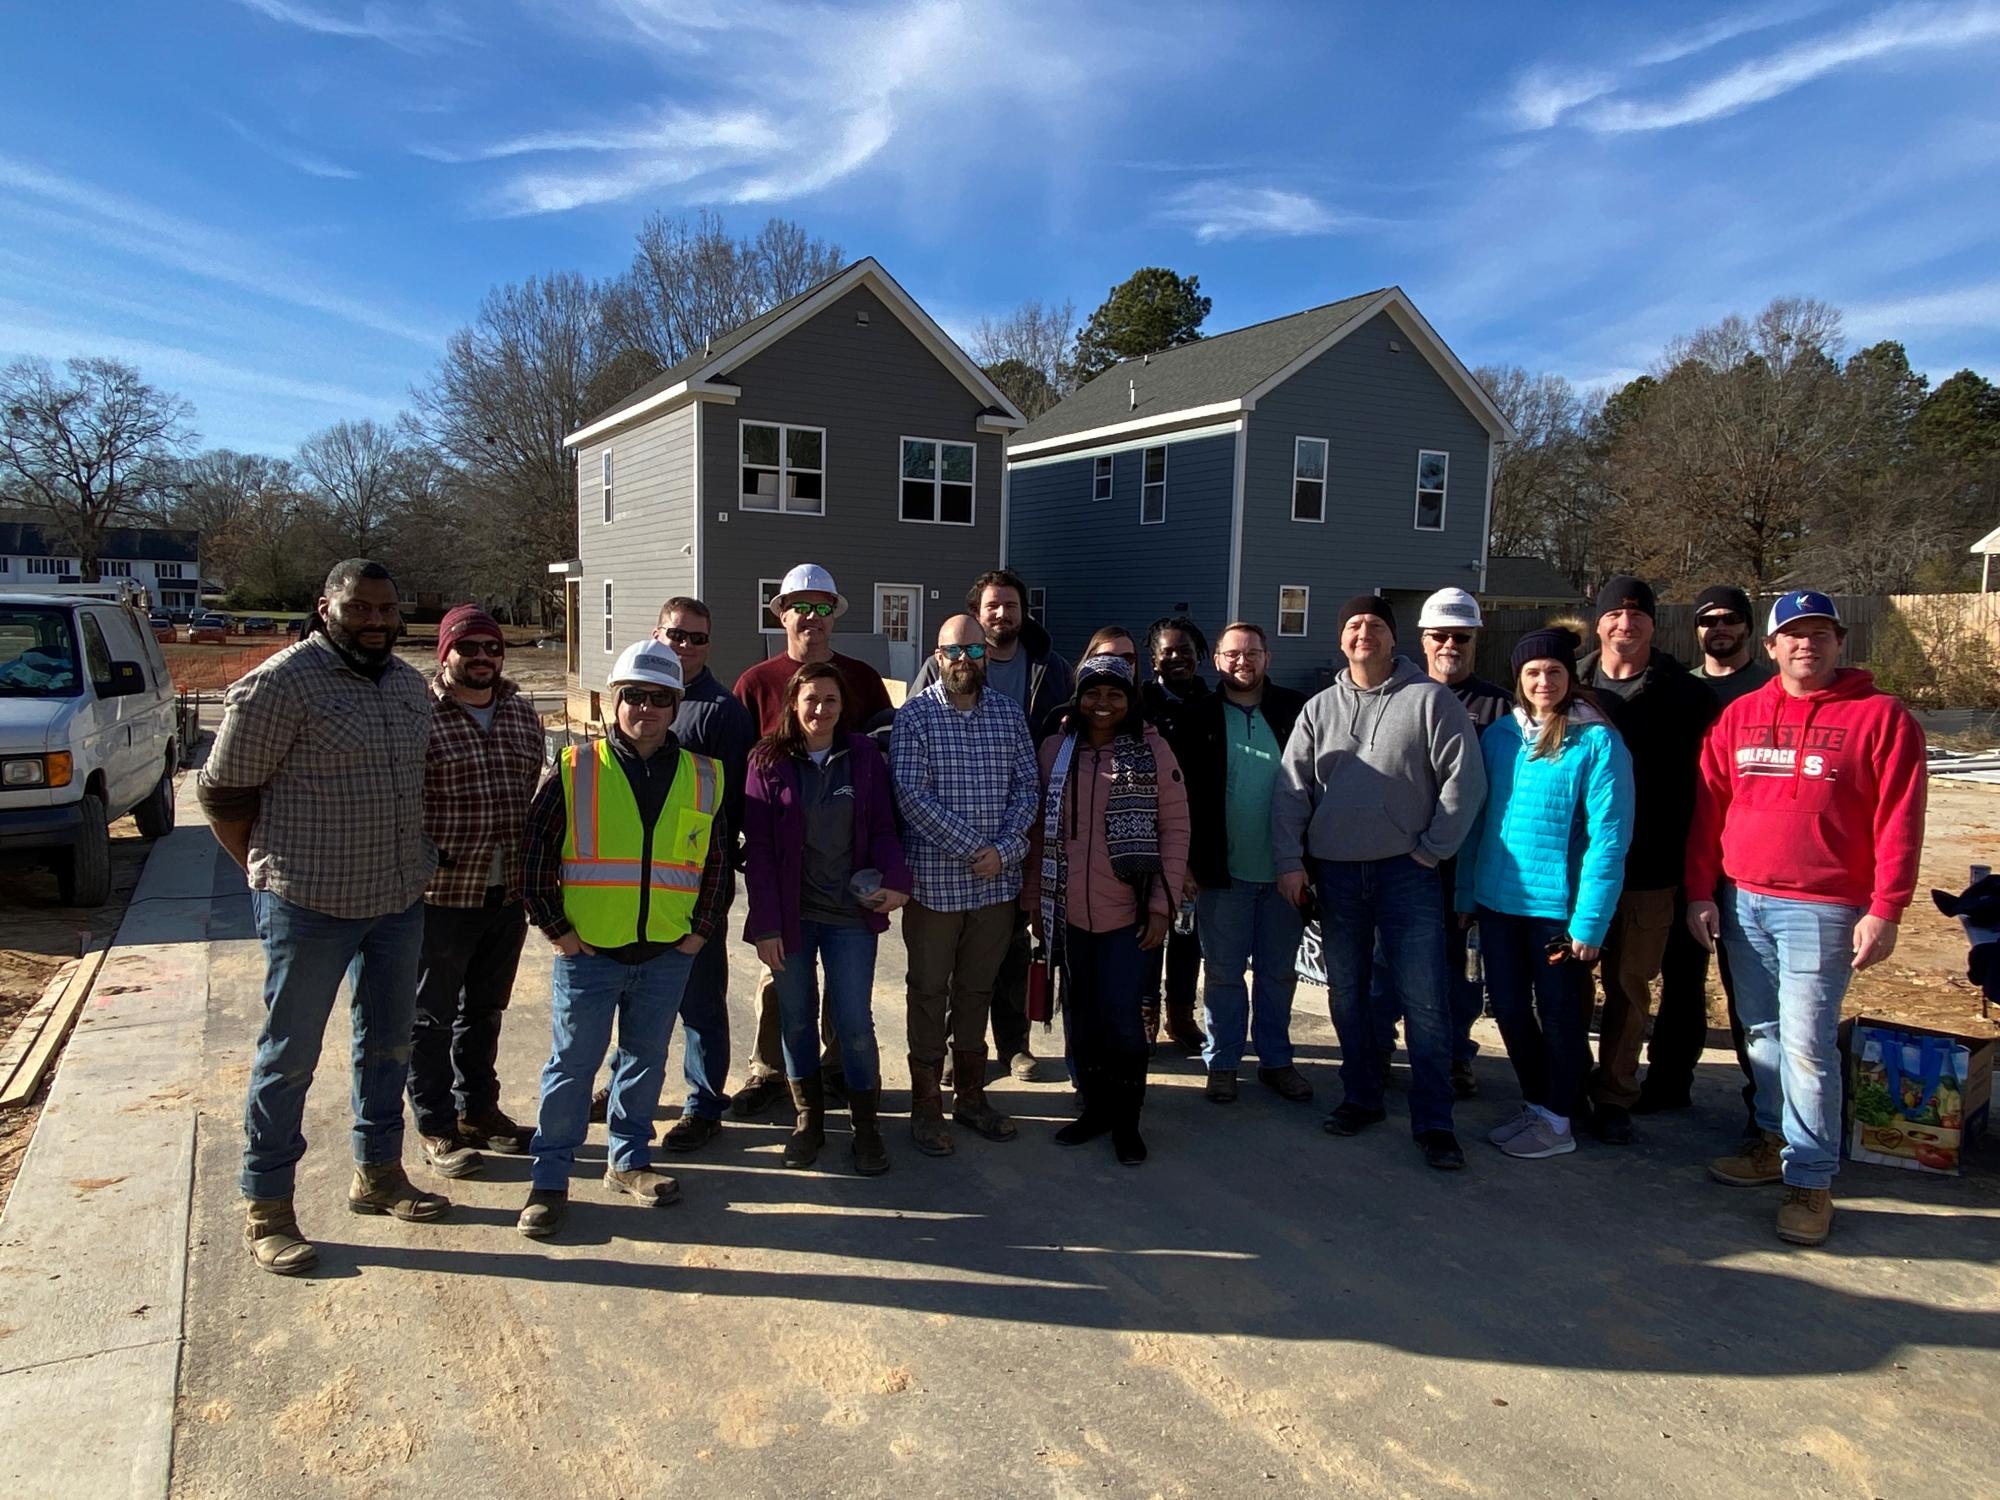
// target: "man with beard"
[[968, 787], [316, 788], [1176, 646], [485, 758]]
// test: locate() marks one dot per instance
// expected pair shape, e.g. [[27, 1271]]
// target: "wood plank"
[[29, 1027], [34, 1067]]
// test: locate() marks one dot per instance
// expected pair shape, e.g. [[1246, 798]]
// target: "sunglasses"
[[804, 610], [1455, 637], [971, 653], [1557, 950], [1719, 617], [480, 648], [646, 698], [679, 637]]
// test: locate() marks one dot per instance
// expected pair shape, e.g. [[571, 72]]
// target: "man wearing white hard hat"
[[623, 873], [806, 604]]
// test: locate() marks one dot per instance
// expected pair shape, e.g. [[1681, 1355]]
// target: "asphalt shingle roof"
[[1527, 578], [121, 543]]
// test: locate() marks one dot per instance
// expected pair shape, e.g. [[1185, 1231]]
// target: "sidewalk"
[[1261, 1308]]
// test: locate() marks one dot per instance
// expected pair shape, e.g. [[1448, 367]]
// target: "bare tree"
[[355, 471], [1026, 353], [90, 452]]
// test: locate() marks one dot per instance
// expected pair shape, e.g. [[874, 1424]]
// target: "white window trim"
[[916, 593], [1037, 606], [937, 481], [169, 570], [1305, 611], [767, 623], [1444, 495], [785, 430], [1146, 484], [1109, 476], [1325, 478], [48, 567], [609, 638], [604, 481]]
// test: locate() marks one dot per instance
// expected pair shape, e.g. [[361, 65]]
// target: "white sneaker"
[[1539, 1140], [1499, 1135]]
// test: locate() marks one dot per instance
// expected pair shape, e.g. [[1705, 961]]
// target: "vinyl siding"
[[868, 387], [1376, 408], [646, 550], [1099, 565]]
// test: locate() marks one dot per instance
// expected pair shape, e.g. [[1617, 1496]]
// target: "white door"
[[899, 620]]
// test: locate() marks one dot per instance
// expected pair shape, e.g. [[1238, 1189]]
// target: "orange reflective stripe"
[[704, 784], [625, 872]]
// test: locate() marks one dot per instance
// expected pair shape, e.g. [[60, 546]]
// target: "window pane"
[[805, 493], [1311, 460], [1430, 510], [802, 447], [958, 463], [760, 444], [1307, 496], [1156, 465], [1291, 598], [1430, 471], [1153, 503], [919, 495], [760, 489], [955, 504], [919, 460]]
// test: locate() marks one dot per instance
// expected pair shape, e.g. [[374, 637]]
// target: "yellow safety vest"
[[611, 859]]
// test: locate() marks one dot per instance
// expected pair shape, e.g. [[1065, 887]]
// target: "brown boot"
[[1806, 1215], [871, 1157], [385, 1188], [970, 1107], [1758, 1163], [927, 1126], [272, 1233], [809, 1099], [1182, 1028]]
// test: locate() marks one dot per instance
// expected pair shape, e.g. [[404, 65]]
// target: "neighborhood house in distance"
[[164, 560], [1264, 474]]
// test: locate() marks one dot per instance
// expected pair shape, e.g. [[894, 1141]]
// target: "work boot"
[[1129, 1095], [1182, 1028], [759, 1094], [1221, 1086], [1149, 1015], [1759, 1163], [969, 1106], [871, 1157], [1021, 1066], [545, 1212], [383, 1187], [690, 1133], [654, 1189], [1806, 1215], [447, 1156], [1095, 1118], [1287, 1083], [491, 1129], [272, 1233], [809, 1099], [927, 1126]]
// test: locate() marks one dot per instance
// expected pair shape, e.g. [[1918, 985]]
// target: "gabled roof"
[[1988, 543], [1228, 372], [706, 373], [121, 543]]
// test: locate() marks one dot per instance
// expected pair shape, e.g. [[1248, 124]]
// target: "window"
[[1309, 479], [167, 570], [55, 565], [784, 468], [1292, 601], [608, 512], [607, 615], [96, 655], [1432, 467], [114, 569], [1153, 492], [1100, 477], [1038, 606], [937, 482], [767, 590]]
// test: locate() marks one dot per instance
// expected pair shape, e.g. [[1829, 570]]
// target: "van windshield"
[[37, 653]]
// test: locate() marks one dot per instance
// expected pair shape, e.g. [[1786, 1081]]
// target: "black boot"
[[809, 1134], [1095, 1120], [1129, 1096]]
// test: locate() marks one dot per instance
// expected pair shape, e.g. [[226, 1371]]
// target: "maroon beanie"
[[467, 619]]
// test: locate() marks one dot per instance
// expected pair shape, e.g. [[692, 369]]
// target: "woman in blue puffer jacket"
[[1541, 872]]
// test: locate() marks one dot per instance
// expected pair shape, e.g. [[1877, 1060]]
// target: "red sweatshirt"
[[1819, 798]]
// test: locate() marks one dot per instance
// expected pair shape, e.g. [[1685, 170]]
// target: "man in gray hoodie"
[[1381, 779]]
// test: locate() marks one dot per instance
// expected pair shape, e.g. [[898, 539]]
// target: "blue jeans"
[[705, 1036], [1791, 963], [1467, 997], [1248, 922], [849, 956], [1543, 1009], [305, 954], [1104, 973], [1400, 901], [589, 991]]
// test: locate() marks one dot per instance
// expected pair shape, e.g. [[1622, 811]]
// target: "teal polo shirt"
[[1252, 763]]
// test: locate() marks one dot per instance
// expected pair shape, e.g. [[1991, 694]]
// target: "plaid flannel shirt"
[[477, 783], [964, 782], [337, 762]]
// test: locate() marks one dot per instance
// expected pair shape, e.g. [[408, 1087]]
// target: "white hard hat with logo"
[[648, 662], [1450, 609], [808, 578]]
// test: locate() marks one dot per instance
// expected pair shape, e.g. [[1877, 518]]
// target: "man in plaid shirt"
[[967, 786], [485, 757]]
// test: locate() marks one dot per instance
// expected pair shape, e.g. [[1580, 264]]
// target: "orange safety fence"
[[205, 669]]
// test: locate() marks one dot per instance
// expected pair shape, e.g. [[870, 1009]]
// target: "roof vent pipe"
[[1132, 387]]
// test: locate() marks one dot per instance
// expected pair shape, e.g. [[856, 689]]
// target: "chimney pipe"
[[1132, 387]]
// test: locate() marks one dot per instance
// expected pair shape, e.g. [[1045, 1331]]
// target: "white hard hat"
[[649, 662], [808, 578], [1449, 608]]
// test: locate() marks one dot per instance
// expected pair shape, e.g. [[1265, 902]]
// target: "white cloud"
[[1723, 29], [1959, 310], [291, 156], [407, 27], [1228, 211], [1543, 95]]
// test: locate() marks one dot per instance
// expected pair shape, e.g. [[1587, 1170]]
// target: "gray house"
[[1265, 474], [842, 427]]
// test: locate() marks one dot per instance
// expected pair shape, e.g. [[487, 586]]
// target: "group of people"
[[1061, 837]]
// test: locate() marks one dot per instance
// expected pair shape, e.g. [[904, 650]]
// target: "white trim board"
[[1131, 445], [1136, 425]]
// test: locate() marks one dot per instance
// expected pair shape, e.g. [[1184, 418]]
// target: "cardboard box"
[[1915, 1097]]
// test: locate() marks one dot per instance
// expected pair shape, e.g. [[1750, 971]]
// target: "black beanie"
[[1368, 604], [1722, 596], [1625, 592], [1552, 643]]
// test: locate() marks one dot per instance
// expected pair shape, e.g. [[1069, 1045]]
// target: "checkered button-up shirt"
[[337, 762], [477, 783], [965, 781]]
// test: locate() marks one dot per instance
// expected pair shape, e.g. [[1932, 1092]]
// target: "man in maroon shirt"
[[807, 604]]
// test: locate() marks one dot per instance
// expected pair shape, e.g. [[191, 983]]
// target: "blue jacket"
[[1550, 840]]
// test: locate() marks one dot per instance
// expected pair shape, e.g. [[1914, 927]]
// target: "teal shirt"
[[1252, 764]]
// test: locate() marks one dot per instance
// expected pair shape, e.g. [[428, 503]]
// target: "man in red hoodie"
[[1809, 818]]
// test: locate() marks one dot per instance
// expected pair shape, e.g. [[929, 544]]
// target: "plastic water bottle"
[[1475, 966], [1184, 919]]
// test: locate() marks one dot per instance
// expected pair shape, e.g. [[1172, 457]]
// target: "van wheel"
[[83, 871], [155, 816]]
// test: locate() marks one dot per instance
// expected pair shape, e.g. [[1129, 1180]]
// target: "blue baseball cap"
[[1800, 604]]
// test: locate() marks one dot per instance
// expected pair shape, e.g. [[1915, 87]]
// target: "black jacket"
[[1051, 679], [1663, 723], [1166, 712], [1199, 739]]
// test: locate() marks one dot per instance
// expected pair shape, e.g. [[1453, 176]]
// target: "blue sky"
[[280, 208]]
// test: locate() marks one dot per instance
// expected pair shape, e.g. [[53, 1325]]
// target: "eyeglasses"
[[953, 653], [480, 648], [1718, 617], [1455, 637], [804, 610], [1255, 653], [678, 637], [645, 698]]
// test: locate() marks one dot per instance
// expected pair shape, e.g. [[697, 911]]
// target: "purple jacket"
[[774, 839]]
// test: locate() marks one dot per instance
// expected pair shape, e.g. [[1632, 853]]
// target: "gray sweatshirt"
[[1376, 772]]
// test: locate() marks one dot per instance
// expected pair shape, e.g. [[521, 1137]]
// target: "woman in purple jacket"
[[824, 869]]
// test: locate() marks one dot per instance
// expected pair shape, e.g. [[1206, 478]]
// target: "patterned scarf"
[[1131, 829]]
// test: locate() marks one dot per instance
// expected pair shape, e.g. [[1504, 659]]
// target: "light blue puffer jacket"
[[1551, 838]]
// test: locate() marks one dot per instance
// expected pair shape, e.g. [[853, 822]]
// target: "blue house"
[[1266, 475]]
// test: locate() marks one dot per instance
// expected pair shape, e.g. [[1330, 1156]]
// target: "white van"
[[87, 734]]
